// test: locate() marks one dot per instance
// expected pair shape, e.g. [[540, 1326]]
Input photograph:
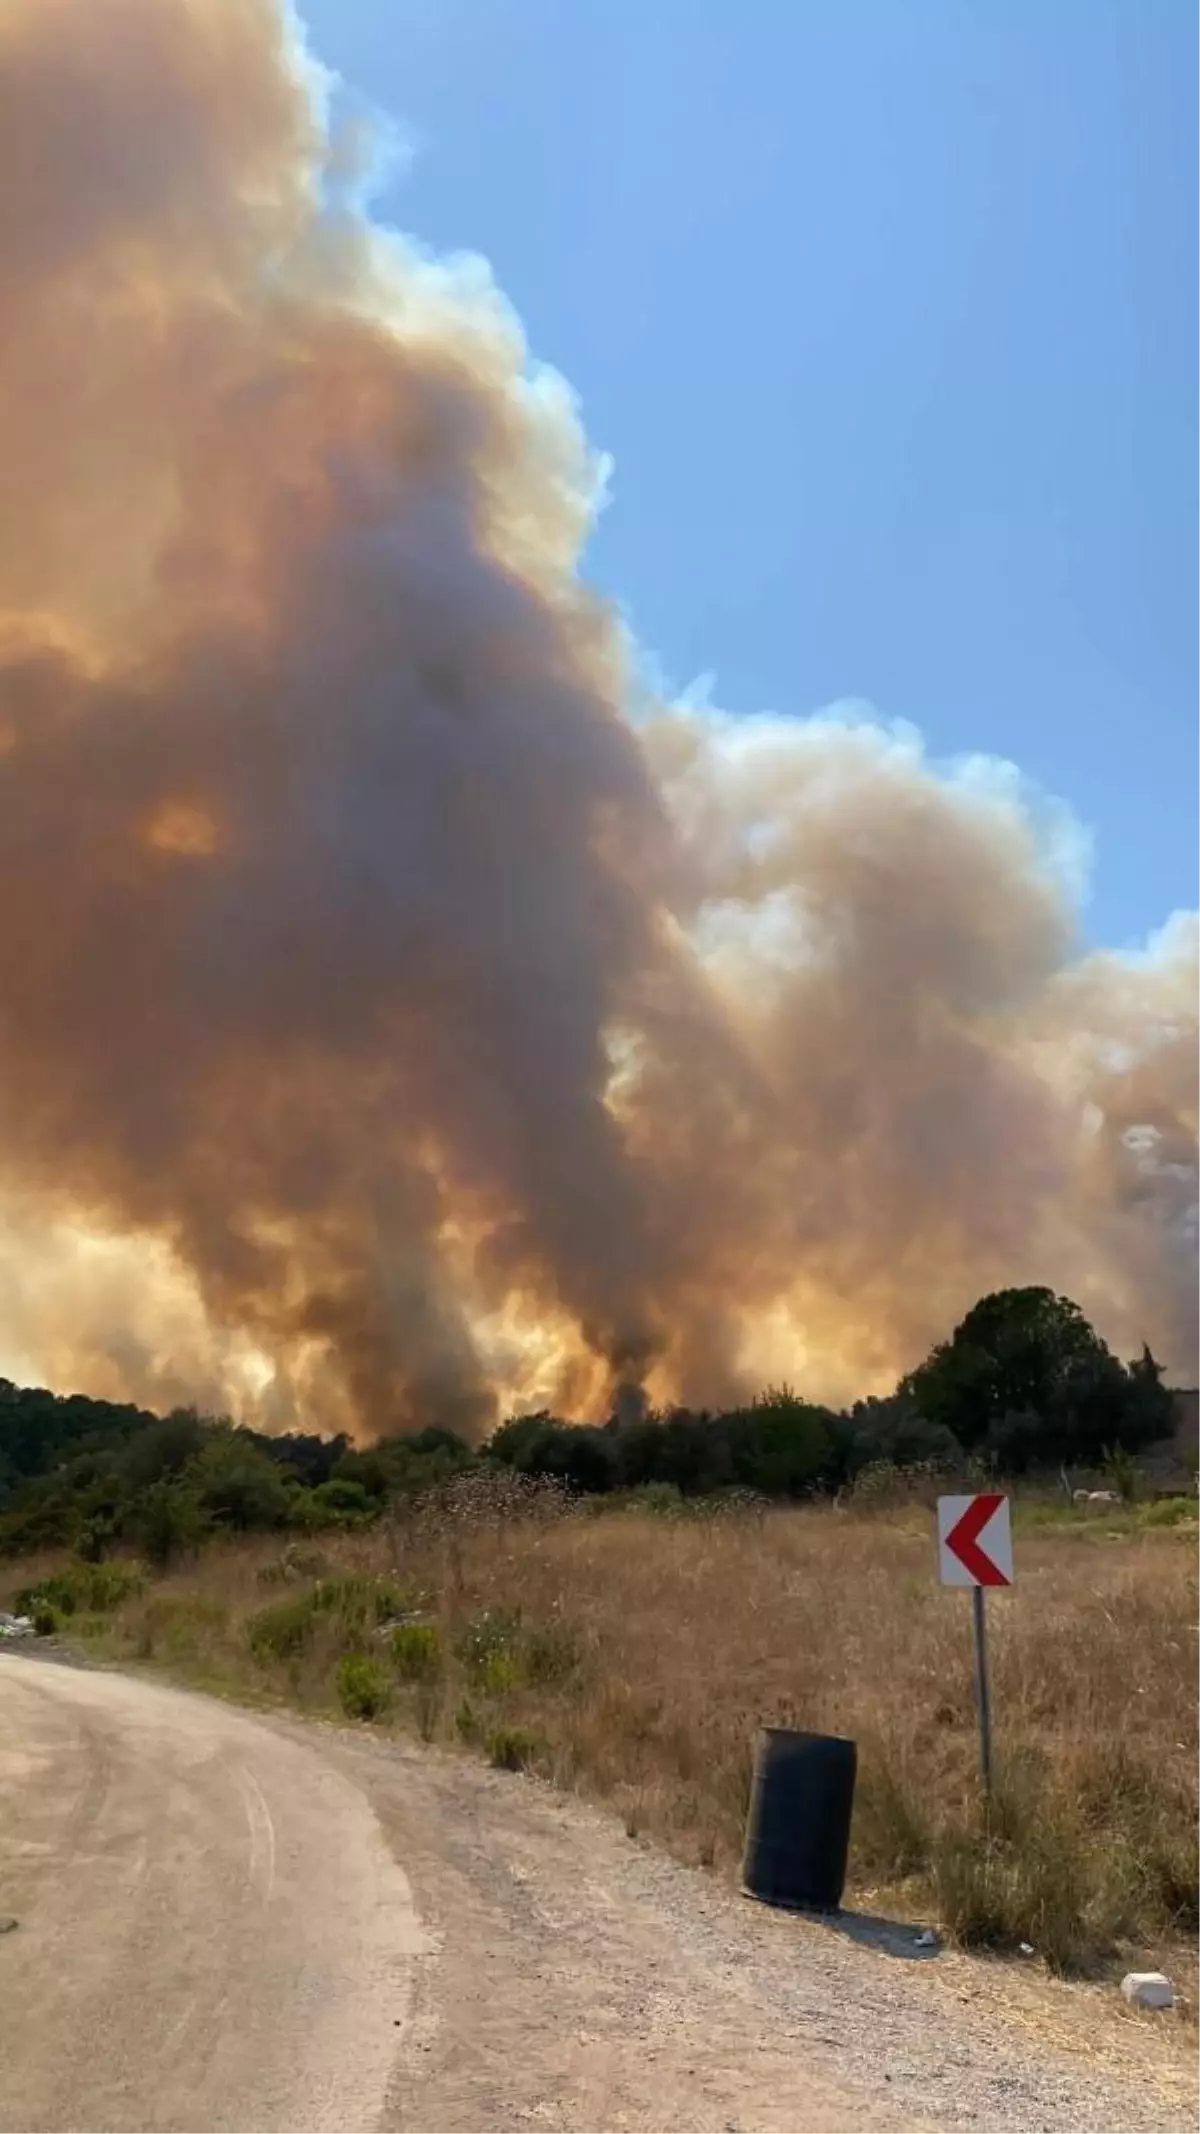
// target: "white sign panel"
[[975, 1540]]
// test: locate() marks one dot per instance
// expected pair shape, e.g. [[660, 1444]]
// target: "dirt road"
[[212, 1930], [231, 1922]]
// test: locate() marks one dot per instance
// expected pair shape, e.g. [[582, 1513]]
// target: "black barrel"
[[798, 1828]]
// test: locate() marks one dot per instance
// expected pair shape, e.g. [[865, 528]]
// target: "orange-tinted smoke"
[[418, 1032]]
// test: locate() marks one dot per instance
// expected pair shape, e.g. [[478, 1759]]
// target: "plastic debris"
[[1148, 1989]]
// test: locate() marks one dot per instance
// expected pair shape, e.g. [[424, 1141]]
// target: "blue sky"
[[886, 310]]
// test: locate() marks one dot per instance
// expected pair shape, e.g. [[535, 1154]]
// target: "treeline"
[[93, 1476], [1024, 1382]]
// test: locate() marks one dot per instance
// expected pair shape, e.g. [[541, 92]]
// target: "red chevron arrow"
[[963, 1538]]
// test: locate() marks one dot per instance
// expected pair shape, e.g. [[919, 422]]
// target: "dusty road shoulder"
[[575, 1980]]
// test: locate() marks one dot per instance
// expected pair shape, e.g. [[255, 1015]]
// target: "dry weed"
[[635, 1657]]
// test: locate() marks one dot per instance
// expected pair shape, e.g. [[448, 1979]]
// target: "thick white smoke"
[[392, 1020]]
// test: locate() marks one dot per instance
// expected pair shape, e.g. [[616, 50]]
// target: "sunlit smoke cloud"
[[399, 1016]]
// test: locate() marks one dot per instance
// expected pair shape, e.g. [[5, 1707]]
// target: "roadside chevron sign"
[[975, 1540]]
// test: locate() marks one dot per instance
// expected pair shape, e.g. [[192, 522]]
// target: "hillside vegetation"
[[632, 1655], [1024, 1383]]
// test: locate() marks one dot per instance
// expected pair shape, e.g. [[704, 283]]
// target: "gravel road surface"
[[234, 1922]]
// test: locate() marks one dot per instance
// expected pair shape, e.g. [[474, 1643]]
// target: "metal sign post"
[[983, 1694], [975, 1550]]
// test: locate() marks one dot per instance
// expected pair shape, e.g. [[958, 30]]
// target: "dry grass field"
[[632, 1657]]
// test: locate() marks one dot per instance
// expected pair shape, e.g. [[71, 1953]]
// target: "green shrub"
[[361, 1603], [96, 1588], [510, 1748], [363, 1687], [662, 1500], [996, 1893], [109, 1585], [57, 1592], [338, 1502], [351, 1607], [551, 1653], [284, 1631], [490, 1651], [501, 1674], [47, 1621], [416, 1652], [1143, 1822], [1169, 1511]]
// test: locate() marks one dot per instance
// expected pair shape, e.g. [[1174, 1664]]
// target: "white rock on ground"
[[1148, 1989]]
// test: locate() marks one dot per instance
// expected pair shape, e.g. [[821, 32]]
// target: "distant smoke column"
[[430, 1033], [328, 859]]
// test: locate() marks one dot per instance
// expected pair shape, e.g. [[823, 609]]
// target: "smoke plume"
[[401, 1011]]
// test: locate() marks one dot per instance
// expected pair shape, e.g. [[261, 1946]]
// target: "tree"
[[895, 1430], [168, 1522], [237, 1485], [1025, 1377], [163, 1448], [309, 1458], [344, 1499], [581, 1457], [1151, 1407], [781, 1445], [685, 1449], [511, 1442]]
